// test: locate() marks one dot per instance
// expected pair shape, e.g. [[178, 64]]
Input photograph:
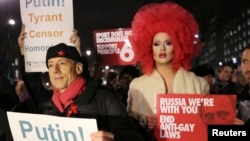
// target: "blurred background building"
[[227, 33]]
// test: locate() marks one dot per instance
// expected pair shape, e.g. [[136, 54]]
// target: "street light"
[[10, 72], [234, 60], [88, 52], [12, 22]]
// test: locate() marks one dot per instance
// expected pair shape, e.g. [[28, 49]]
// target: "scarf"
[[62, 100]]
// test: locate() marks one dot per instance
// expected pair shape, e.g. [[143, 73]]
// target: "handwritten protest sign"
[[35, 127], [186, 116], [114, 47], [47, 23]]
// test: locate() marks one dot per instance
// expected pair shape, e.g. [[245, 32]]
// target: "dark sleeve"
[[85, 72], [120, 123], [5, 133], [37, 91], [247, 122], [8, 96]]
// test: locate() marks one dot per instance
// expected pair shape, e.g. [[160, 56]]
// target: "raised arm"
[[75, 39], [32, 80], [21, 38]]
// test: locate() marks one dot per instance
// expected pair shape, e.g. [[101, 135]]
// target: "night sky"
[[92, 15]]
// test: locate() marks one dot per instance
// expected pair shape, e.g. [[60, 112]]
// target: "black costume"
[[244, 104]]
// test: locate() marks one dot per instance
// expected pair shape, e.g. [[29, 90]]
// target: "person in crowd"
[[126, 75], [239, 80], [96, 71], [112, 80], [21, 91], [76, 96], [244, 96], [8, 94], [207, 72], [8, 100], [223, 82], [26, 104], [164, 41]]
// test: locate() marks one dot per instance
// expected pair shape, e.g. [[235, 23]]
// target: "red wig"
[[172, 19]]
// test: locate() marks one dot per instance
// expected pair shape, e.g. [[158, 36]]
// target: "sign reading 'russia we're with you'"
[[187, 116]]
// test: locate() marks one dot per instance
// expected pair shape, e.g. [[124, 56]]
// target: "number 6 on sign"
[[127, 54]]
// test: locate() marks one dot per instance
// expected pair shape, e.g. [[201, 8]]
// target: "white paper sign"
[[47, 23], [36, 127]]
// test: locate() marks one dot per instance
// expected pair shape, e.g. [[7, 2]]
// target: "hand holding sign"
[[21, 38], [102, 135]]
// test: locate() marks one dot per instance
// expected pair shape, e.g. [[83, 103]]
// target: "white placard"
[[37, 127], [47, 22]]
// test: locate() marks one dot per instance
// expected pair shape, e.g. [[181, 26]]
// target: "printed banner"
[[187, 116], [113, 46], [36, 127], [47, 23]]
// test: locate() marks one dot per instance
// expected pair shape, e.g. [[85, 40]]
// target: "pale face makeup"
[[162, 48]]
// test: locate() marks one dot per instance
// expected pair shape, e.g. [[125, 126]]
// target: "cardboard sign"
[[186, 116], [47, 23], [36, 127], [114, 47]]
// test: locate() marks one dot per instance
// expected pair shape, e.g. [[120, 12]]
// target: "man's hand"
[[21, 38], [102, 136], [151, 121], [238, 121], [75, 39]]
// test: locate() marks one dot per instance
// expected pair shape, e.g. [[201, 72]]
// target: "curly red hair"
[[167, 17]]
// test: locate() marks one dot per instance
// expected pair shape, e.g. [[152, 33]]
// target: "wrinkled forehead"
[[60, 59], [246, 54]]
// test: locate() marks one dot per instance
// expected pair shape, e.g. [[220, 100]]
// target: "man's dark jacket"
[[243, 105]]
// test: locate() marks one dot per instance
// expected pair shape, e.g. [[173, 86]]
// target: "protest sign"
[[35, 127], [47, 23], [113, 46], [186, 116]]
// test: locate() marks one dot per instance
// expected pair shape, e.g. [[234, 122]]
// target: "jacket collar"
[[89, 93]]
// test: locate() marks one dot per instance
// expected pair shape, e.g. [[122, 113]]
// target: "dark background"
[[92, 15]]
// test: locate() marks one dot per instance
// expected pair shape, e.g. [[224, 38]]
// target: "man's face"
[[225, 74], [223, 113], [245, 64], [125, 81], [62, 72]]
